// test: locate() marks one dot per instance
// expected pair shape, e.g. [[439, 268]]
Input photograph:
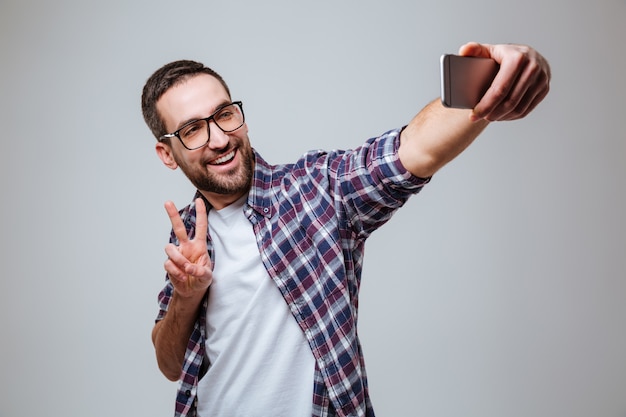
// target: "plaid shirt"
[[311, 220]]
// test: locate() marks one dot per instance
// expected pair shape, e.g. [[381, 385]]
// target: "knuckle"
[[500, 92], [508, 106], [518, 57], [536, 70]]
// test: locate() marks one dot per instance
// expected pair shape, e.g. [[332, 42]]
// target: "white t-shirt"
[[261, 363]]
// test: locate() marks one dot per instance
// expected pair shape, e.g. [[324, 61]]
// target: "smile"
[[223, 159]]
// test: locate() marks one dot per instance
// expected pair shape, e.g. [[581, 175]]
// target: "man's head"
[[185, 100], [162, 80]]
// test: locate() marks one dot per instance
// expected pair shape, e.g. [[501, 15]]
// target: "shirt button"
[[266, 210], [188, 393]]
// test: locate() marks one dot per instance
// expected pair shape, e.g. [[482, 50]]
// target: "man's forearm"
[[435, 136], [171, 335]]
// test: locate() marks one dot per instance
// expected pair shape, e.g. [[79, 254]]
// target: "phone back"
[[464, 80]]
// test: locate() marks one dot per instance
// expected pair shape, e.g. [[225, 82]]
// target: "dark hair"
[[162, 80]]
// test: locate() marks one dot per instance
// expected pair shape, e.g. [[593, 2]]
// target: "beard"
[[235, 181]]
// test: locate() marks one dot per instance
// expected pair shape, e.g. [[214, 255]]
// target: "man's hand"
[[522, 82], [188, 265], [189, 269], [436, 135]]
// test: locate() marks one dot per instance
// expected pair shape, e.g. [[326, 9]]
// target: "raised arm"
[[189, 269], [438, 134]]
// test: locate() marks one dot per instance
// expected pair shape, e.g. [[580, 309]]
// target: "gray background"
[[498, 291]]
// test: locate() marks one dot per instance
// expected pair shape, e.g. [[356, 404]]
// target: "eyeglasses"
[[196, 134]]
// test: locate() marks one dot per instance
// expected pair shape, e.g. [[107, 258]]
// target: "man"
[[258, 316]]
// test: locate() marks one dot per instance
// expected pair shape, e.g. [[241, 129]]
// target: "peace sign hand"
[[188, 265]]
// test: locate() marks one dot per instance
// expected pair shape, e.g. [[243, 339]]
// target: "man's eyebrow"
[[219, 107]]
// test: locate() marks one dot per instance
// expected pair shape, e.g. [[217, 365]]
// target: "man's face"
[[221, 170]]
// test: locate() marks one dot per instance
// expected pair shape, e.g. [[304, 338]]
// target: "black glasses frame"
[[208, 120]]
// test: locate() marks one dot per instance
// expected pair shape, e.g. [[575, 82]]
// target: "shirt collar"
[[259, 196]]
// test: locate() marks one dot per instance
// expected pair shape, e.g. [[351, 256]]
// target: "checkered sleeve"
[[373, 183]]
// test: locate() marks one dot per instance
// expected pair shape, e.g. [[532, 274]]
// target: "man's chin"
[[238, 184]]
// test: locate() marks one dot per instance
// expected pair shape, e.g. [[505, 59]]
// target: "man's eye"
[[225, 115], [191, 130]]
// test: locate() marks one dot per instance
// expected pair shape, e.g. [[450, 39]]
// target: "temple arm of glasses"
[[168, 136]]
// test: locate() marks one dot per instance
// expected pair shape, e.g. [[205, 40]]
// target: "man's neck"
[[219, 201]]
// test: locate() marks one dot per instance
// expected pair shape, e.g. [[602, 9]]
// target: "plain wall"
[[498, 291]]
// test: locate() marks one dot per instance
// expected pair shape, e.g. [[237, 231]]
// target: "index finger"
[[177, 223], [201, 218], [499, 90]]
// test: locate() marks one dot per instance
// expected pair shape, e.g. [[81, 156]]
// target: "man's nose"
[[218, 139]]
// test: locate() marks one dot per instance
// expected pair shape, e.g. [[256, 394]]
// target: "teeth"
[[224, 158]]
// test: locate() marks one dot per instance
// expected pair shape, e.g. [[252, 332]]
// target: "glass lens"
[[195, 134], [229, 118]]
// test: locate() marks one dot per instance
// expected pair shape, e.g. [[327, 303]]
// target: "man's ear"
[[164, 151]]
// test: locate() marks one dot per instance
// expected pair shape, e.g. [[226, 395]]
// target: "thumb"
[[200, 266], [475, 49]]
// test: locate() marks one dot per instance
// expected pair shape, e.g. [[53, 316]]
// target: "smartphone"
[[465, 79]]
